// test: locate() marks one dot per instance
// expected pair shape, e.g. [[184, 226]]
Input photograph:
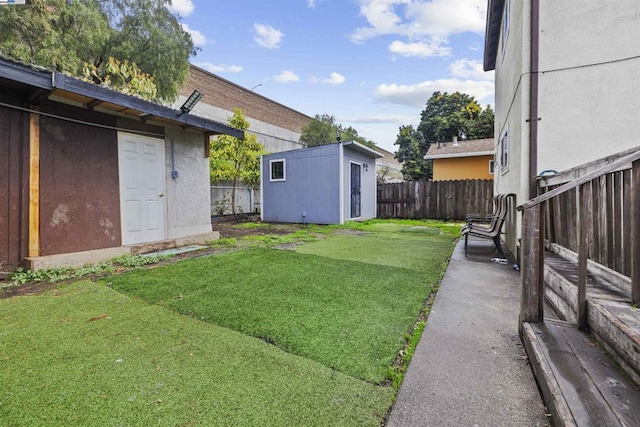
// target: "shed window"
[[278, 170]]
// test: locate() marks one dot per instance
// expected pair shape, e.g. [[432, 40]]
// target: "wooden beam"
[[531, 303], [207, 144], [585, 238], [635, 232], [34, 184]]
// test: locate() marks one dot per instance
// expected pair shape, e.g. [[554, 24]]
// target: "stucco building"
[[462, 159], [276, 126], [567, 87]]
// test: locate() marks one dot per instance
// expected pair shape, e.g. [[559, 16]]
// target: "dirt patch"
[[228, 227]]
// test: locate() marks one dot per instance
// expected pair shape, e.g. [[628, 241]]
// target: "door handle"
[[161, 195]]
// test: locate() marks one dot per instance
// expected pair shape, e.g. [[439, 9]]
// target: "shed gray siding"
[[368, 184], [311, 191]]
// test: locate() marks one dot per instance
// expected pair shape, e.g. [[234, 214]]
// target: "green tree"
[[445, 116], [409, 152], [323, 129], [236, 159], [457, 114], [65, 34]]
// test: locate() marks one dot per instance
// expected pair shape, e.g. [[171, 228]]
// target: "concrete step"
[[611, 319], [580, 384]]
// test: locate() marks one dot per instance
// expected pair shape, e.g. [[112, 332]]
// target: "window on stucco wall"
[[504, 152]]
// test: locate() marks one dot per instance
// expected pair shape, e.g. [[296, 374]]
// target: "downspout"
[[533, 99]]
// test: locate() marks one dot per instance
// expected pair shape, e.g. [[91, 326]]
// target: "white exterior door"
[[142, 187]]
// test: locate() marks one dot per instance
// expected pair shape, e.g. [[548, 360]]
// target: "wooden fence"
[[592, 214], [448, 200]]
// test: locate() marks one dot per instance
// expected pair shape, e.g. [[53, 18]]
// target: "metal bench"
[[492, 231], [484, 218]]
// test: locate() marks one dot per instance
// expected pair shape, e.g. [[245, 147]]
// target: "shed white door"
[[142, 187]]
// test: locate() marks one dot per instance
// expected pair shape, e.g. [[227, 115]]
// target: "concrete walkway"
[[469, 368]]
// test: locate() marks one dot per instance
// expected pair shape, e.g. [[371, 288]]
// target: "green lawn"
[[144, 365], [338, 310]]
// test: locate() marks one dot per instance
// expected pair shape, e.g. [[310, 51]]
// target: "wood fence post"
[[532, 301], [635, 232], [585, 233]]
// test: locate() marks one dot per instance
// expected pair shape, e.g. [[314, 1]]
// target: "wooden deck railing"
[[592, 212]]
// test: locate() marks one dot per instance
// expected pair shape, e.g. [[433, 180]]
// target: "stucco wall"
[[512, 95], [188, 195], [588, 89], [476, 167], [588, 104]]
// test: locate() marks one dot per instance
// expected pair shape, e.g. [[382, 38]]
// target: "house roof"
[[492, 33], [39, 83], [472, 148]]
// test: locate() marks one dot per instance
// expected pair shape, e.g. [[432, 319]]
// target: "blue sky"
[[372, 64]]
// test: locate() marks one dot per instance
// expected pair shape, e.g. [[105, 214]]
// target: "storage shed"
[[328, 184], [88, 173]]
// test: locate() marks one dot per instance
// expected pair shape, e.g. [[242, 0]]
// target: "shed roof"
[[492, 33], [356, 146], [39, 83], [471, 148], [363, 149]]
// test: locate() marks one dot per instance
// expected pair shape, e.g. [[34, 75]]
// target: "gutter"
[[457, 155], [533, 98]]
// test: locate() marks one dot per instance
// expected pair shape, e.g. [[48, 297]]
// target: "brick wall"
[[224, 94]]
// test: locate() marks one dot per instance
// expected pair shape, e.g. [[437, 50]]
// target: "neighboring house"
[[567, 87], [276, 126], [388, 169], [462, 159], [327, 184], [88, 173]]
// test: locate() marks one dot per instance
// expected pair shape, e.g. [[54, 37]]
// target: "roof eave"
[[99, 93], [458, 155]]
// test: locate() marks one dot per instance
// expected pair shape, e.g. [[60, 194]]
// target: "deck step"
[[579, 382], [611, 319]]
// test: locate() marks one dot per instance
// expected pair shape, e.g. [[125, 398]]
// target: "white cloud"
[[267, 36], [446, 17], [417, 95], [286, 76], [470, 69], [182, 7], [426, 24], [334, 79], [311, 4], [420, 18], [198, 38], [223, 68], [419, 49]]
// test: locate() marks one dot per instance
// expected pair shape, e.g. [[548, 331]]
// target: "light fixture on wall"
[[366, 167], [190, 102]]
